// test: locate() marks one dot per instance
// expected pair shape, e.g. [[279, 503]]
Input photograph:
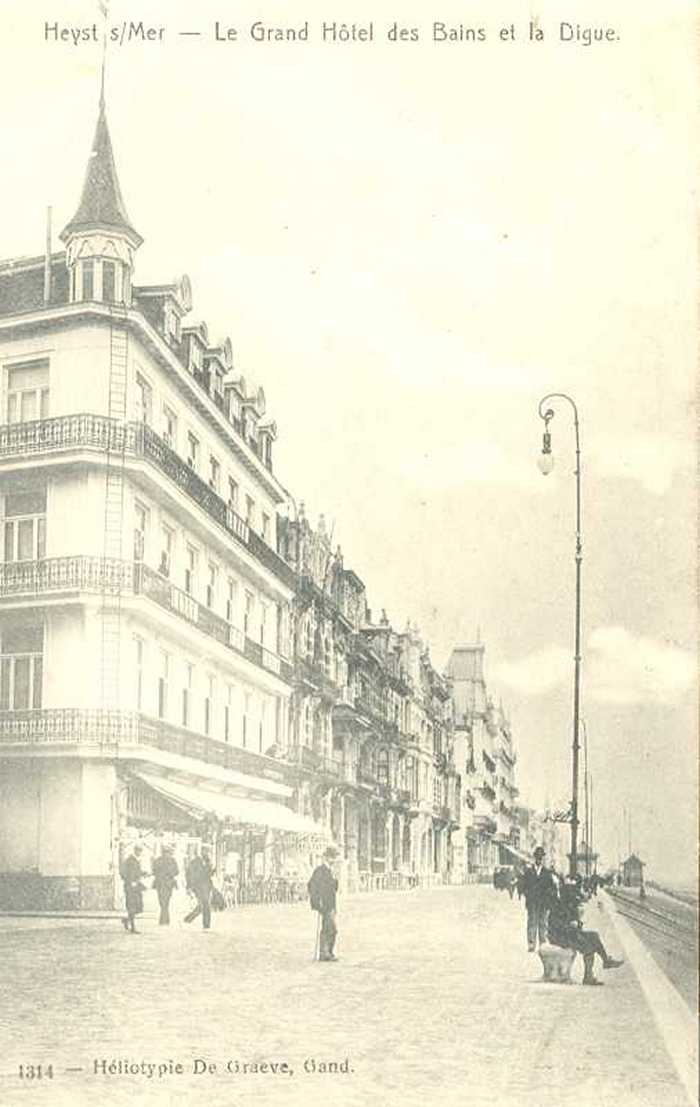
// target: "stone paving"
[[434, 999]]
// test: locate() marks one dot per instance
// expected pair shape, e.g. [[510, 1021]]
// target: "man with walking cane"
[[323, 890]]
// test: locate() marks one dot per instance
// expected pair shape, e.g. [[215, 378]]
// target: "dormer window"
[[196, 355], [171, 322]]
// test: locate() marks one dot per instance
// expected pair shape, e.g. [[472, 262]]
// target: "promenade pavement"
[[434, 999]]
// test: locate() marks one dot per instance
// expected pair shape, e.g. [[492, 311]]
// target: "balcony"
[[103, 575], [93, 727], [65, 574], [96, 432], [314, 673], [484, 824]]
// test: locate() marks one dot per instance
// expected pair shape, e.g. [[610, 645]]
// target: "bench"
[[557, 963]]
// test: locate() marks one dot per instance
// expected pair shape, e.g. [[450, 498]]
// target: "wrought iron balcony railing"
[[87, 726], [97, 432], [66, 575]]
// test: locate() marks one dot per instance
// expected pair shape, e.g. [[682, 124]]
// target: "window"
[[171, 323], [109, 282], [209, 704], [28, 392], [88, 275], [170, 428], [248, 613], [383, 766], [266, 528], [192, 450], [196, 355], [21, 668], [187, 694], [231, 601], [246, 712], [140, 531], [163, 684], [261, 726], [25, 526], [139, 650], [166, 550], [250, 511], [190, 571], [214, 473], [263, 622], [144, 400], [233, 494], [212, 585], [228, 712]]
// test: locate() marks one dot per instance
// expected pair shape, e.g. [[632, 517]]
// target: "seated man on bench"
[[566, 930]]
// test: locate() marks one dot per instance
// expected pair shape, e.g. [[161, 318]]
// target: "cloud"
[[625, 669], [618, 667]]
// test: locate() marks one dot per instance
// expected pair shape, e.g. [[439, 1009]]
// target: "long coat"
[[199, 873], [539, 889], [165, 870], [132, 874], [323, 888]]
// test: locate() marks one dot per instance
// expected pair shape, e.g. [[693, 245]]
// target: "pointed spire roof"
[[101, 204]]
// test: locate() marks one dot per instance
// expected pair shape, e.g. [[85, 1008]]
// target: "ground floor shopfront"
[[67, 822]]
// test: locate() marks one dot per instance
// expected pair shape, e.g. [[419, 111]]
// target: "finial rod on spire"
[[104, 8]]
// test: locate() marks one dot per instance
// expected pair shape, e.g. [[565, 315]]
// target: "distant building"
[[633, 871], [485, 759]]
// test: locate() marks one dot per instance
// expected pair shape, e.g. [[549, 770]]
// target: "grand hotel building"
[[144, 611]]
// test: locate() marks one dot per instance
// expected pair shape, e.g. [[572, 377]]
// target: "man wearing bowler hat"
[[538, 886], [323, 891]]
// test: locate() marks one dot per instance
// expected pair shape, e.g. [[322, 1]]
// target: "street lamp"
[[546, 464]]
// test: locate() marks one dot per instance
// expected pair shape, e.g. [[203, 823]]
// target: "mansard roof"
[[101, 204]]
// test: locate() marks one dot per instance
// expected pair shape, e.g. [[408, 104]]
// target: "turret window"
[[88, 277], [109, 282]]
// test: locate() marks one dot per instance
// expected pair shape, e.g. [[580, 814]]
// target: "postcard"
[[348, 690]]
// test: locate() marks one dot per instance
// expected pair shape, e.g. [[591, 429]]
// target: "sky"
[[409, 244]]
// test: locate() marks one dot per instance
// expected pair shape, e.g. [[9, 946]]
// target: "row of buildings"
[[182, 654]]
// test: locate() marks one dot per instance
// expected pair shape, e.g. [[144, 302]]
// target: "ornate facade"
[[371, 726]]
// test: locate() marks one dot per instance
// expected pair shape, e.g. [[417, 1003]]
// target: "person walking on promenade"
[[566, 930], [132, 877], [199, 880], [537, 884], [165, 870], [323, 890]]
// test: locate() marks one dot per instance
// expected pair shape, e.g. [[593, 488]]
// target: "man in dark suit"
[[132, 877], [199, 880], [537, 884], [566, 930], [165, 870], [323, 890]]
